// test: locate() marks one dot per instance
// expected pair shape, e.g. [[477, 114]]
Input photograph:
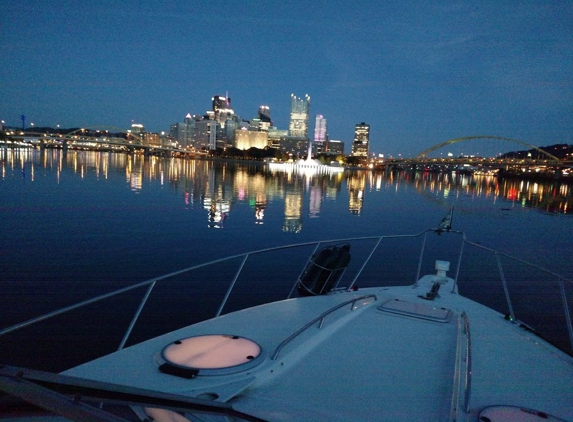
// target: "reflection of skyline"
[[293, 211], [218, 187], [356, 184]]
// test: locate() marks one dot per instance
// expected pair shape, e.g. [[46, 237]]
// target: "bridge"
[[546, 155], [424, 160], [538, 164], [102, 138]]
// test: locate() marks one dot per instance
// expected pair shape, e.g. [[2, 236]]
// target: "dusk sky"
[[418, 72]]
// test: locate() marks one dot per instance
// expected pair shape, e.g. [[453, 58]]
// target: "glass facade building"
[[222, 109], [299, 116], [360, 145], [320, 134]]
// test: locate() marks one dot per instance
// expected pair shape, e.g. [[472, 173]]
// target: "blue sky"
[[418, 72]]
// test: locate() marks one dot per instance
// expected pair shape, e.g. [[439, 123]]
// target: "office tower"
[[137, 128], [335, 147], [320, 128], [265, 114], [222, 109], [263, 120], [320, 134], [183, 131], [220, 102], [361, 141], [299, 116]]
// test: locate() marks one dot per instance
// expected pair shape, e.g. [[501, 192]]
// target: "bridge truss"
[[71, 135], [424, 153]]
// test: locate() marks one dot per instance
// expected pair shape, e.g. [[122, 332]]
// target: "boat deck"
[[390, 365]]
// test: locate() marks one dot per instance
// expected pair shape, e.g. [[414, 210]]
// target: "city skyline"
[[419, 74]]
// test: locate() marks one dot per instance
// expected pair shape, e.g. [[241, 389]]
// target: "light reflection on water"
[[220, 185]]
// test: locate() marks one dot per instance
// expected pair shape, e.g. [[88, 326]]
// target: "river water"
[[81, 223]]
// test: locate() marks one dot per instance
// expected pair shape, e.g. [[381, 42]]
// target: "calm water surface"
[[84, 223]]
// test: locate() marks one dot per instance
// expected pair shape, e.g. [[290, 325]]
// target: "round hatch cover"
[[212, 352], [515, 414]]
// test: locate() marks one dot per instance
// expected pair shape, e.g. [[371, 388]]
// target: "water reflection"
[[216, 187]]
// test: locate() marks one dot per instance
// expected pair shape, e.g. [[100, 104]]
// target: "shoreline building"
[[335, 147], [361, 143], [299, 116]]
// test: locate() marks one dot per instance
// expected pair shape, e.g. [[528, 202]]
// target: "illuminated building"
[[335, 147], [245, 139], [320, 129], [320, 135], [204, 133], [275, 136], [222, 110], [299, 116], [361, 141], [137, 128], [263, 120], [183, 131], [265, 114], [152, 139]]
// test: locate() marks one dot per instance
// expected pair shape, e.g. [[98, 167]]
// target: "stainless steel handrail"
[[468, 379], [463, 329], [562, 280], [152, 282], [99, 298], [321, 319], [505, 289]]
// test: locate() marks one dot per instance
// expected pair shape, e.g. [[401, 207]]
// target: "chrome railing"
[[356, 275], [561, 281], [320, 319], [463, 360]]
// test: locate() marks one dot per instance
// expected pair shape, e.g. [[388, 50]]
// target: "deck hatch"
[[416, 310], [214, 354]]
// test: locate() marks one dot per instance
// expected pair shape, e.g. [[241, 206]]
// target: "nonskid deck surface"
[[361, 364], [366, 362]]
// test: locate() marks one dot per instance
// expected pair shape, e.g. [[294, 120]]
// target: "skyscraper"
[[319, 134], [220, 102], [222, 109], [299, 116], [265, 114], [320, 128], [360, 145]]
